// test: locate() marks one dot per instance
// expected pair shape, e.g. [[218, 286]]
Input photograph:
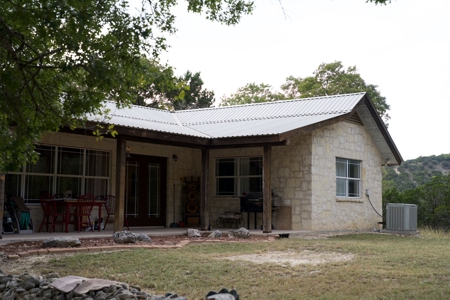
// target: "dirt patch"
[[24, 264], [305, 257]]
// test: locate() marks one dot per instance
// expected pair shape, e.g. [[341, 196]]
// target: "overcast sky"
[[403, 47]]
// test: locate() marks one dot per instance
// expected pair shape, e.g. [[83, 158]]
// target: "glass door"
[[145, 191]]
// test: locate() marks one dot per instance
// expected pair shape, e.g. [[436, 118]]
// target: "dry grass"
[[382, 267]]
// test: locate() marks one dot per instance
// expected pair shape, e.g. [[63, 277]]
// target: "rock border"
[[56, 251]]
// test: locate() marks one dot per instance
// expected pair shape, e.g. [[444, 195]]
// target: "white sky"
[[403, 47]]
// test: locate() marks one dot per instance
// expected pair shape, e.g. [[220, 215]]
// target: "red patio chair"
[[83, 211], [51, 213], [110, 206]]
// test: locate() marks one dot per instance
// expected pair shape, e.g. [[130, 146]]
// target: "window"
[[61, 169], [348, 178], [237, 175]]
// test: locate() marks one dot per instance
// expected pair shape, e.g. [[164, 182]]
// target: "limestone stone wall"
[[221, 204], [351, 141], [291, 179]]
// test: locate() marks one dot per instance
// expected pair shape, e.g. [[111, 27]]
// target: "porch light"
[[128, 149], [175, 157]]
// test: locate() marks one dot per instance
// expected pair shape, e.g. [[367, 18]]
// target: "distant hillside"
[[415, 172]]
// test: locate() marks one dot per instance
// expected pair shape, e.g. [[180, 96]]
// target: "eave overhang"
[[165, 138], [378, 131]]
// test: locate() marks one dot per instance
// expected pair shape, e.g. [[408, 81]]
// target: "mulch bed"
[[16, 247]]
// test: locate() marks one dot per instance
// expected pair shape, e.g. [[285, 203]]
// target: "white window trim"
[[55, 173], [348, 198]]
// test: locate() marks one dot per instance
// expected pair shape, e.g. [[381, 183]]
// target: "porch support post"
[[2, 201], [204, 206], [119, 210], [267, 208]]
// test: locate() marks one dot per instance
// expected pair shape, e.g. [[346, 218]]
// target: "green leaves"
[[382, 2], [59, 60], [161, 89], [194, 95], [228, 12], [252, 93], [432, 200], [333, 79], [328, 79]]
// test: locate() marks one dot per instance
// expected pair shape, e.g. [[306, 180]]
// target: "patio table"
[[68, 203]]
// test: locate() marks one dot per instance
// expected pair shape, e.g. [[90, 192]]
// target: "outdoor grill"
[[252, 202]]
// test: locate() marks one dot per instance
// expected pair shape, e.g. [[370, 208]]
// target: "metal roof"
[[338, 104], [252, 120], [137, 112], [259, 127], [267, 118]]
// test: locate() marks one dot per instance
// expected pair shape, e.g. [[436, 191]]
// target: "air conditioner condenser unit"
[[400, 216]]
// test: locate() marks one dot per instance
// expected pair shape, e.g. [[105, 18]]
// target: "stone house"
[[318, 159]]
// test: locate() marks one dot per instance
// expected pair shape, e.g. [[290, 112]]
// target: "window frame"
[[237, 177], [55, 175], [348, 178]]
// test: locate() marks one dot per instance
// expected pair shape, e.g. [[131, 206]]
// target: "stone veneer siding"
[[221, 204], [351, 141], [291, 179], [304, 175]]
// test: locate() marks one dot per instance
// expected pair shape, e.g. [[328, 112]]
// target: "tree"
[[333, 79], [252, 93], [59, 60], [184, 92], [196, 96], [379, 1], [156, 84]]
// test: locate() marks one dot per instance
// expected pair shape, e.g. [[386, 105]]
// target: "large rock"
[[124, 237], [193, 232], [28, 286], [215, 234], [223, 294], [143, 238], [61, 242], [239, 233], [127, 237]]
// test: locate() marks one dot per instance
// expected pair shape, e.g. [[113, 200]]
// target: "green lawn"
[[383, 267]]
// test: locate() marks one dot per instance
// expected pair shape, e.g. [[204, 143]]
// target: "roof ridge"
[[265, 103], [177, 120], [145, 107], [142, 119], [259, 118]]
